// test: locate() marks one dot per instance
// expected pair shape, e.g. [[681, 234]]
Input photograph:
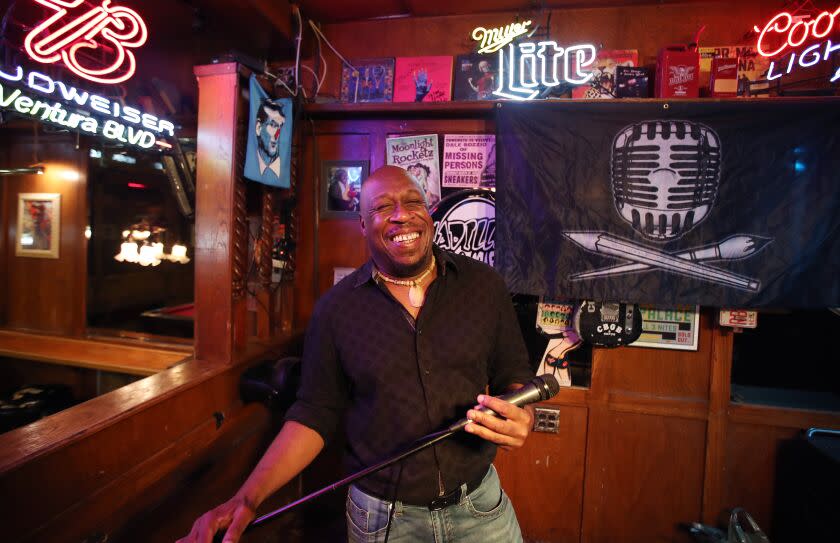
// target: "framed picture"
[[341, 187], [38, 225]]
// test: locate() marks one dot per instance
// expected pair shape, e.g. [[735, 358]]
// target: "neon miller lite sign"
[[76, 28], [525, 68], [493, 39]]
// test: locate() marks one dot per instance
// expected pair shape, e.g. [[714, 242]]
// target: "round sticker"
[[465, 223]]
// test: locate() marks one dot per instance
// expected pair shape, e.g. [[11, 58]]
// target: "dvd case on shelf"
[[371, 81]]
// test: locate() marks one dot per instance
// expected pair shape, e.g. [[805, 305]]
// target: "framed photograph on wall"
[[38, 225], [341, 187]]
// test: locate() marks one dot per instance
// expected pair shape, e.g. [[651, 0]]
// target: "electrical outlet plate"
[[546, 419]]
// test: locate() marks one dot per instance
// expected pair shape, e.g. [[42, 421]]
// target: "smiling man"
[[399, 349]]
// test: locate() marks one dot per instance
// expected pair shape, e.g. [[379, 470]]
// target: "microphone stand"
[[543, 387], [422, 443]]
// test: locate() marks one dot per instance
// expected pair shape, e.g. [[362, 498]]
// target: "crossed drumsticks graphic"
[[691, 262]]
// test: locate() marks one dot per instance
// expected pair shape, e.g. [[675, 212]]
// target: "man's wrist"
[[248, 499]]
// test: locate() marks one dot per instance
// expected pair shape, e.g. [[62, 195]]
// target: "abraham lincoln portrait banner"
[[719, 203]]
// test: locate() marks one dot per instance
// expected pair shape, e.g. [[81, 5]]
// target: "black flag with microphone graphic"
[[538, 389], [730, 203]]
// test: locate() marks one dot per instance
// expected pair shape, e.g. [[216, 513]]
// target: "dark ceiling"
[[332, 11]]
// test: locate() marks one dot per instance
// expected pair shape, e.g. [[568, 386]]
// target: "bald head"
[[389, 174], [396, 223]]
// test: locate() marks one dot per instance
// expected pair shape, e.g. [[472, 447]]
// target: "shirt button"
[[419, 332], [427, 372]]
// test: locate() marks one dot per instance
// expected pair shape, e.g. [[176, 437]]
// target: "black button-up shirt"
[[394, 379]]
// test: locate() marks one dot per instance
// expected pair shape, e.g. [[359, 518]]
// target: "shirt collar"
[[444, 261], [274, 166]]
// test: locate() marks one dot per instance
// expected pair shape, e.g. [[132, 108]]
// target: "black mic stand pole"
[[419, 445], [545, 384]]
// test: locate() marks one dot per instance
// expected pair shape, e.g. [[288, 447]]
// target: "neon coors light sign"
[[525, 68], [784, 31]]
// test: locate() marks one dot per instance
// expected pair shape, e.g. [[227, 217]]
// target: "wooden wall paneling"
[[749, 469], [218, 101], [644, 474], [661, 373], [716, 428], [265, 300], [160, 474], [643, 27], [74, 229], [4, 239], [231, 460], [754, 435], [306, 270], [764, 415], [365, 9], [340, 242], [544, 479], [99, 461], [128, 449], [46, 294]]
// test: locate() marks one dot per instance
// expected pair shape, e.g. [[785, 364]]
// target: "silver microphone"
[[538, 389]]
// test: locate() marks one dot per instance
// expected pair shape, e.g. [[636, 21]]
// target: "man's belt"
[[455, 496]]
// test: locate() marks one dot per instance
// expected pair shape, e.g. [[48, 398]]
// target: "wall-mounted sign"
[[738, 318], [527, 67], [669, 327], [48, 100], [785, 32], [80, 36], [493, 39]]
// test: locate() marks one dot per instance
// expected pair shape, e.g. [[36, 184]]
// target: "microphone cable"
[[393, 505]]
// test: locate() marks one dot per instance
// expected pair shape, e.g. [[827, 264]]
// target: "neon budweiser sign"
[[75, 29], [40, 97]]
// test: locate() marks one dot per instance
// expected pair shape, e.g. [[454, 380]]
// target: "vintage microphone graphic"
[[665, 176]]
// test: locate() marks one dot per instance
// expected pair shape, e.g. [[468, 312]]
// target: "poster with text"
[[673, 327], [469, 160], [418, 155]]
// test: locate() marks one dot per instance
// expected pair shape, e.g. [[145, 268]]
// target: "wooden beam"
[[218, 101], [719, 389]]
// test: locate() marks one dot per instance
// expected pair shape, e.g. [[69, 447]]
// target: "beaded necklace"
[[415, 293]]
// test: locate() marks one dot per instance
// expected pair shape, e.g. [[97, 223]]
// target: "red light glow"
[[797, 31], [133, 185], [74, 28]]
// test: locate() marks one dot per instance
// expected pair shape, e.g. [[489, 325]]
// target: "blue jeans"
[[483, 516]]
